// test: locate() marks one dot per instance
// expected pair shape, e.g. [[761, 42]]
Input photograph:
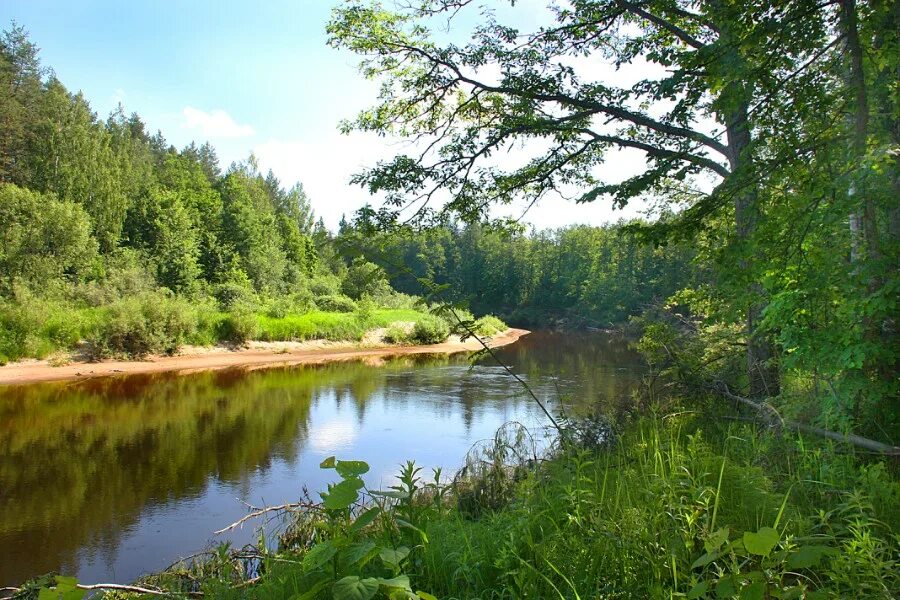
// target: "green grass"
[[322, 325]]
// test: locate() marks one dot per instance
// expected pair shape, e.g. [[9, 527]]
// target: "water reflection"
[[108, 478]]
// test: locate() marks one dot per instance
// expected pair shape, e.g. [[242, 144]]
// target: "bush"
[[235, 296], [239, 327], [336, 303], [325, 285], [489, 325], [430, 330], [150, 323], [397, 333], [34, 327], [457, 320]]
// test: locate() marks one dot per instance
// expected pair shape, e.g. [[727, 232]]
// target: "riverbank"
[[257, 355]]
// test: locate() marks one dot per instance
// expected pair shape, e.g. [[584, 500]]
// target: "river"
[[110, 478]]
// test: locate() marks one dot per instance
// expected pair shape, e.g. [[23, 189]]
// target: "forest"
[[759, 456], [112, 235]]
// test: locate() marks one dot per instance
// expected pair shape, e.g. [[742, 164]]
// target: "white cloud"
[[324, 167], [214, 124]]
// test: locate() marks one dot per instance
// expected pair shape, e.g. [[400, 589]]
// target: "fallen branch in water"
[[114, 586], [261, 511]]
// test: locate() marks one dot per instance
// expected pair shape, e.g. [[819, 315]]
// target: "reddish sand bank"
[[258, 355]]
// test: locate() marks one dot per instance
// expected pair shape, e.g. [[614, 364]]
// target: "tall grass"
[[668, 512], [322, 325]]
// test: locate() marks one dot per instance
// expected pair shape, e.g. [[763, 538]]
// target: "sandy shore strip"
[[259, 354]]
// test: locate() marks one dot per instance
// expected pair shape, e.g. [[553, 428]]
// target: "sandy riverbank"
[[259, 354]]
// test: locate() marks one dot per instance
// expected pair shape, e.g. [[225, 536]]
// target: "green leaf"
[[328, 463], [342, 494], [64, 584], [47, 594], [408, 525], [754, 591], [351, 468], [359, 554], [698, 590], [716, 539], [808, 556], [425, 595], [354, 588], [312, 592], [725, 588], [400, 582], [318, 555], [393, 557], [705, 559], [365, 519], [762, 542]]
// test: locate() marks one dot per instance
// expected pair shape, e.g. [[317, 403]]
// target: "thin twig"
[[268, 509]]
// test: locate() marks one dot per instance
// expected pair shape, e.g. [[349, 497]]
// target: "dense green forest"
[[114, 236]]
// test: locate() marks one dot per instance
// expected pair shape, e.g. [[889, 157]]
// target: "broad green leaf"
[[343, 494], [64, 584], [705, 559], [359, 554], [328, 463], [725, 588], [716, 539], [808, 556], [365, 519], [351, 468], [318, 555], [698, 590], [354, 588], [312, 592], [408, 525], [754, 591], [762, 542], [400, 582], [393, 556], [425, 595]]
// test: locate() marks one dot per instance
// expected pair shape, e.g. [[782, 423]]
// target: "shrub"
[[335, 303], [489, 325], [430, 330], [397, 333], [239, 327], [235, 296], [153, 322], [457, 319], [325, 285]]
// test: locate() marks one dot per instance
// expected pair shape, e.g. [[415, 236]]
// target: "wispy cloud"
[[214, 124]]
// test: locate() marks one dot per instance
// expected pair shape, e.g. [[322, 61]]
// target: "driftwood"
[[770, 417], [117, 587], [258, 512]]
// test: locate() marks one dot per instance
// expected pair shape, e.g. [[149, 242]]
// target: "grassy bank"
[[668, 506], [158, 323]]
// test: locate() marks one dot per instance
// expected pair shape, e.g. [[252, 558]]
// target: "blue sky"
[[247, 76]]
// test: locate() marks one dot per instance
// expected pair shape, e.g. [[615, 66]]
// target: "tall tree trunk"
[[864, 237], [761, 373]]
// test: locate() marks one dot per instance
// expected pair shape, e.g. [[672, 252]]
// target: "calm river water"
[[110, 478]]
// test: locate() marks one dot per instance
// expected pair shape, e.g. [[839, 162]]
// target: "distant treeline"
[[603, 275]]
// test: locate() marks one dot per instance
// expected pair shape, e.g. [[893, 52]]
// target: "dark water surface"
[[110, 478]]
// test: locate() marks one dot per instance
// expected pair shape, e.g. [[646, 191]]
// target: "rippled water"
[[111, 478]]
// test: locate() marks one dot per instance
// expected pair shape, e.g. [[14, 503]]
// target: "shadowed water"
[[111, 478]]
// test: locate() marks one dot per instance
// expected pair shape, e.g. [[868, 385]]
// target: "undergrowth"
[[665, 506]]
